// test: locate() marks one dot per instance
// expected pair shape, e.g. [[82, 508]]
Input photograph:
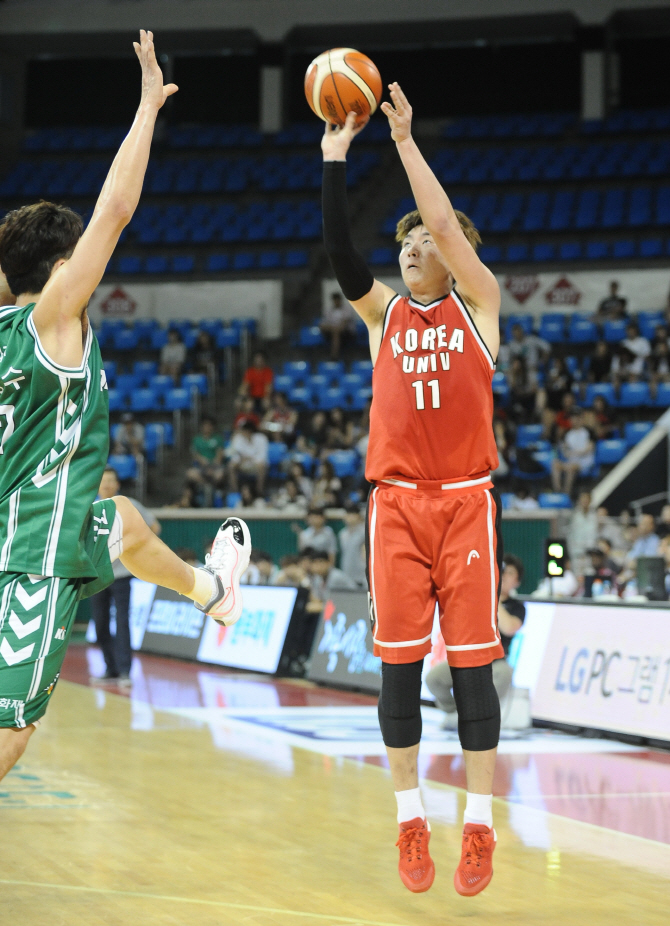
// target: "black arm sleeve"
[[352, 273]]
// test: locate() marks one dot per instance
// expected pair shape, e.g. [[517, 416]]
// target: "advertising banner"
[[256, 641], [607, 668], [173, 626], [342, 651], [259, 299]]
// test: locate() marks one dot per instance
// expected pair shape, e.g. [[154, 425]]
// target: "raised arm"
[[368, 296], [475, 281], [59, 308]]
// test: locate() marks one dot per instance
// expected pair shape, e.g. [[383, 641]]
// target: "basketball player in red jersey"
[[433, 513]]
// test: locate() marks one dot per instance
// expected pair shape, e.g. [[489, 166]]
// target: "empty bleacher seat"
[[606, 390], [125, 339], [651, 247], [351, 383], [217, 263], [282, 383], [228, 337], [582, 330], [125, 466], [382, 256], [156, 264], [543, 252], [176, 399], [554, 500], [310, 336], [662, 395], [528, 434], [623, 249], [277, 453], [614, 331], [300, 397], [330, 398], [160, 383], [360, 398], [610, 451], [117, 400], [597, 250], [634, 431], [552, 327], [129, 264], [634, 395], [345, 463], [333, 369], [145, 400], [159, 338], [269, 260], [570, 250], [145, 369], [296, 259], [128, 382], [196, 381], [362, 367]]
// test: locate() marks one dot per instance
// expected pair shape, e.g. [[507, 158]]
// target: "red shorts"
[[429, 545]]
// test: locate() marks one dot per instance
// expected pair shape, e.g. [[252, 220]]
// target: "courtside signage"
[[256, 641], [608, 669], [343, 648]]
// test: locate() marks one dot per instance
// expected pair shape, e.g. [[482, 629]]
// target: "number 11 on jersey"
[[435, 390]]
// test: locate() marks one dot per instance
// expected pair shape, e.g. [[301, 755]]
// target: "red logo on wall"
[[563, 292], [118, 304], [521, 287]]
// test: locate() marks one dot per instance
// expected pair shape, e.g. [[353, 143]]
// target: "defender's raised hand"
[[399, 114], [337, 139], [153, 90]]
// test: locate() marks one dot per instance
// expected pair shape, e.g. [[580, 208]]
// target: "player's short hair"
[[412, 219], [510, 560], [32, 239]]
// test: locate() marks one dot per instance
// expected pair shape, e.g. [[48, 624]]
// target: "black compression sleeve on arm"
[[352, 273]]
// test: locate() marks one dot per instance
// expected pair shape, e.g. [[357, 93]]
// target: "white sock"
[[204, 587], [479, 809], [410, 805]]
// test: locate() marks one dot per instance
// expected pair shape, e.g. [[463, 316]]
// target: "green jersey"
[[54, 441]]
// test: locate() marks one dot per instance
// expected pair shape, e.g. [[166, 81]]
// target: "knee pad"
[[478, 708], [400, 704]]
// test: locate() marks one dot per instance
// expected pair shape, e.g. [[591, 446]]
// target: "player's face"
[[420, 261]]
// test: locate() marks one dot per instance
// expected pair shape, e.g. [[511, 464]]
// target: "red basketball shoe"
[[415, 867], [475, 869]]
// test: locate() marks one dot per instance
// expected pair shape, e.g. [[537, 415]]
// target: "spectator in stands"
[[582, 532], [327, 487], [637, 344], [129, 438], [663, 526], [316, 432], [257, 381], [203, 354], [558, 381], [261, 569], [248, 457], [610, 532], [325, 577], [601, 571], [613, 307], [249, 499], [511, 615], [186, 499], [565, 586], [291, 572], [600, 363], [578, 455], [189, 556], [116, 650], [246, 411], [646, 542], [304, 483], [533, 349], [626, 367], [280, 420], [351, 540], [207, 471], [251, 575], [503, 358], [658, 365], [289, 499], [522, 500], [173, 356], [564, 417], [338, 323], [339, 431], [523, 389], [503, 445], [598, 419], [660, 336], [318, 535]]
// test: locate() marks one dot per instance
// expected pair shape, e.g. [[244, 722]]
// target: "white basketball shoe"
[[227, 562]]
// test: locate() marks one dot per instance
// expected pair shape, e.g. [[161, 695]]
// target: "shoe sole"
[[411, 885], [227, 618], [471, 892]]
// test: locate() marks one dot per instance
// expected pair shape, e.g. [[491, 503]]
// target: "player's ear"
[[57, 265]]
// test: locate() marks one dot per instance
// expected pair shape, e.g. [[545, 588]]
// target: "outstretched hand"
[[153, 91], [337, 139], [399, 114]]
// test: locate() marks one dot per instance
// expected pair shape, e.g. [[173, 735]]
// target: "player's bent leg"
[[400, 722], [215, 588], [13, 742], [479, 731]]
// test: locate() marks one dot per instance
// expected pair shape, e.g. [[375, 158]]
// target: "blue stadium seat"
[[610, 451], [651, 247], [117, 400], [614, 331], [634, 395], [543, 252], [360, 398], [489, 253], [125, 339], [277, 453], [517, 252], [318, 383], [211, 325], [301, 397], [298, 369], [110, 370], [345, 463], [195, 381], [624, 249], [159, 338], [243, 260], [333, 369], [182, 263], [352, 382], [570, 250], [310, 336], [129, 265], [581, 330], [177, 399], [634, 431], [125, 466], [333, 397], [363, 367], [528, 434], [382, 256], [128, 382], [554, 500], [161, 383], [606, 390], [296, 259], [145, 400], [228, 337], [597, 250], [269, 260], [526, 320], [233, 500], [552, 327], [500, 386], [156, 264], [282, 383], [217, 263], [145, 369]]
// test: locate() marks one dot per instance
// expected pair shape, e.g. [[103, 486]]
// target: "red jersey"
[[432, 409]]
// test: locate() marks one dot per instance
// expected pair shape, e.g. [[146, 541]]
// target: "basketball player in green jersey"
[[56, 544]]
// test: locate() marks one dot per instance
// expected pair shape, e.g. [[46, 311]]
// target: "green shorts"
[[36, 617]]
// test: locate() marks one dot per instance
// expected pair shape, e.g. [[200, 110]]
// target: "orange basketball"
[[341, 81]]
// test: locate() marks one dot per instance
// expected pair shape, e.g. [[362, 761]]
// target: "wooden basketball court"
[[132, 810]]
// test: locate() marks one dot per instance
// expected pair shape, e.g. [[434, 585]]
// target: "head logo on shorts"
[[472, 555]]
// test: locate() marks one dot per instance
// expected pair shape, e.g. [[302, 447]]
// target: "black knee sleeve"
[[478, 708], [400, 704]]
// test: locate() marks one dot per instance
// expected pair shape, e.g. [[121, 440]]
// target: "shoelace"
[[409, 842], [474, 846], [220, 551]]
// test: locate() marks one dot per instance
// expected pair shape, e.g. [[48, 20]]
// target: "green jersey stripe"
[[11, 528], [46, 640]]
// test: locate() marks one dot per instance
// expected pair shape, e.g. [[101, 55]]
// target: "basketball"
[[341, 81]]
